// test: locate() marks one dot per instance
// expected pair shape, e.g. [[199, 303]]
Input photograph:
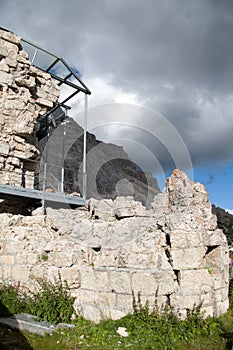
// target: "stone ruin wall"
[[26, 93], [116, 248], [113, 248]]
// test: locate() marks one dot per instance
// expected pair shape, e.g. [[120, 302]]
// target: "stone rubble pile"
[[111, 249], [26, 92]]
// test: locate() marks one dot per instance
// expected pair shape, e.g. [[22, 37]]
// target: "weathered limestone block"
[[104, 258], [195, 282], [4, 67], [90, 296], [25, 81], [221, 294], [120, 208], [13, 161], [72, 276], [20, 273], [65, 220], [83, 230], [27, 260], [11, 59], [159, 205], [120, 282], [91, 312], [127, 207], [185, 302], [9, 36], [15, 247], [151, 283], [8, 45], [214, 238], [44, 102], [220, 279], [23, 57], [188, 258], [144, 283], [3, 52], [129, 259], [184, 239], [6, 78], [103, 209], [7, 259], [4, 148], [2, 119], [183, 194], [95, 280], [216, 258], [221, 307], [124, 302]]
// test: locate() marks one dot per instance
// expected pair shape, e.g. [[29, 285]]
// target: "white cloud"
[[168, 86], [103, 91], [129, 52], [230, 211]]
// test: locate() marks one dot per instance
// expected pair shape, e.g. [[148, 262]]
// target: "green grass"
[[142, 335], [146, 330]]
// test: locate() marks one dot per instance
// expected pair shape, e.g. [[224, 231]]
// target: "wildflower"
[[15, 285]]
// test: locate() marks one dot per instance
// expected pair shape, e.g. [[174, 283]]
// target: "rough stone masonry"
[[111, 248], [26, 92], [116, 248]]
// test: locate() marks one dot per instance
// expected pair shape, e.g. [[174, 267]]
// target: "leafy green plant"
[[146, 330], [44, 257], [225, 222], [52, 302], [10, 302], [166, 328], [156, 328]]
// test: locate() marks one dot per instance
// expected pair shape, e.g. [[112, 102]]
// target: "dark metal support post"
[[53, 64], [63, 155], [45, 173], [84, 194]]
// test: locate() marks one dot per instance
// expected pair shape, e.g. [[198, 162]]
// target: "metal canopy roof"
[[58, 68]]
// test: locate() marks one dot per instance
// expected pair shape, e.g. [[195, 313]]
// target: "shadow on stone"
[[11, 338], [15, 207]]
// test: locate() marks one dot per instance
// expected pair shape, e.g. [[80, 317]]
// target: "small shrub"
[[165, 324], [10, 302], [52, 302], [230, 293]]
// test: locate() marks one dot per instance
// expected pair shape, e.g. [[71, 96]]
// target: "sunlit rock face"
[[112, 249], [26, 93]]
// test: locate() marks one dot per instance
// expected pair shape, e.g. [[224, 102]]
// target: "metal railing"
[[37, 175], [58, 68]]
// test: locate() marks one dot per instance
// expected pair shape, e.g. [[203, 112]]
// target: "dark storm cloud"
[[175, 55]]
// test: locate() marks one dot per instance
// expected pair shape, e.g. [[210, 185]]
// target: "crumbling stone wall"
[[116, 248], [111, 249], [26, 93]]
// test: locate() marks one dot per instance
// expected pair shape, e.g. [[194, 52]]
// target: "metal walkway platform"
[[30, 195]]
